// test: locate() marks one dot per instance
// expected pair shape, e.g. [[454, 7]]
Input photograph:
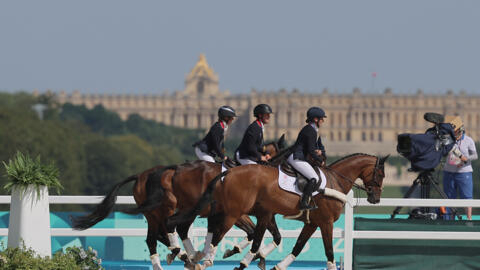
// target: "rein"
[[366, 189]]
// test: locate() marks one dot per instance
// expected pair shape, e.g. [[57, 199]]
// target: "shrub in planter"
[[29, 181], [23, 171]]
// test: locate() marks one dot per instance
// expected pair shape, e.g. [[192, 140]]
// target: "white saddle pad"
[[287, 182]]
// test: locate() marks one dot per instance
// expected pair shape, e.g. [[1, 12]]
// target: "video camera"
[[425, 151]]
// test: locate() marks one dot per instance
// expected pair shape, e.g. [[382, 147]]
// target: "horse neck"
[[348, 170]]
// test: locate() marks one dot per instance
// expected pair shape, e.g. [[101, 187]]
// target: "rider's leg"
[[312, 177], [244, 161], [203, 156]]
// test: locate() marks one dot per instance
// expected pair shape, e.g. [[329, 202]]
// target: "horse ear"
[[382, 160], [281, 141]]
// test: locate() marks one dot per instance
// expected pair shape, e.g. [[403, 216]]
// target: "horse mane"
[[349, 156]]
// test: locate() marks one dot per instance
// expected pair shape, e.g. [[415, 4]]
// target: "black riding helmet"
[[261, 109], [315, 112], [226, 111]]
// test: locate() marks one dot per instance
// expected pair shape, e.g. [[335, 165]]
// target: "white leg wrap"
[[331, 266], [245, 243], [210, 256], [265, 251], [208, 241], [173, 239], [156, 262], [248, 258], [285, 263], [187, 244]]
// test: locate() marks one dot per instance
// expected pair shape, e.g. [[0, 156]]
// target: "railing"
[[351, 234], [348, 233]]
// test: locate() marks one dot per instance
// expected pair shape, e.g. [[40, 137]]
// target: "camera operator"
[[457, 171]]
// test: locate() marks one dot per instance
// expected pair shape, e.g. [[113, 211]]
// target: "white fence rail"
[[347, 234]]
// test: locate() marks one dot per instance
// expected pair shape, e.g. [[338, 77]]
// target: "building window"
[[200, 87], [372, 119], [212, 119], [380, 138], [332, 119], [199, 120], [339, 136], [348, 136], [364, 136], [364, 119], [372, 138], [185, 120], [289, 118], [340, 119], [331, 136], [380, 119]]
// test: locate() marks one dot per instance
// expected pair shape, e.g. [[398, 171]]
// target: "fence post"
[[348, 233]]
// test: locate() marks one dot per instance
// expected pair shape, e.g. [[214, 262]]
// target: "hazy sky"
[[149, 46]]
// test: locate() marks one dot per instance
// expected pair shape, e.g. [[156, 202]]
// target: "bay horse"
[[162, 190], [246, 187]]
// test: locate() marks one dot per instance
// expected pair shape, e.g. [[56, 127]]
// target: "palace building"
[[356, 122]]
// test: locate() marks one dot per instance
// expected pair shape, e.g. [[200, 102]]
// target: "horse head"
[[372, 178], [274, 147]]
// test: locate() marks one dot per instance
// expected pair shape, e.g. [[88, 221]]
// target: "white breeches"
[[203, 156], [303, 167], [244, 161]]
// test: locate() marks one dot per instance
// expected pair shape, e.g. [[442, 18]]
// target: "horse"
[[246, 187], [159, 192]]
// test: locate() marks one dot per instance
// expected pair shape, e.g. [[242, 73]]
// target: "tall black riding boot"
[[307, 195]]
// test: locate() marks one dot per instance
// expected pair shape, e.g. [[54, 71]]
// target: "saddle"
[[230, 163], [300, 180]]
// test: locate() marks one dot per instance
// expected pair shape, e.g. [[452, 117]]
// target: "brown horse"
[[160, 191], [256, 186]]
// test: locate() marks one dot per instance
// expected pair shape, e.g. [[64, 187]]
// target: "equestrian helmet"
[[262, 109], [226, 111], [315, 112]]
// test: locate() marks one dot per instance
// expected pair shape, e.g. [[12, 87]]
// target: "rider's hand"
[[267, 156], [263, 158], [225, 158], [318, 151]]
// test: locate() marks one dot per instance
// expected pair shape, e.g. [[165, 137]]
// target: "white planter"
[[30, 220]]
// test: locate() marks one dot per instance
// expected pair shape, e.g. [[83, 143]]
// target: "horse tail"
[[204, 201], [155, 192], [102, 210]]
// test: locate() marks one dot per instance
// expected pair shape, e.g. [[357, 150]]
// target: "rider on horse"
[[251, 149], [307, 145], [212, 145]]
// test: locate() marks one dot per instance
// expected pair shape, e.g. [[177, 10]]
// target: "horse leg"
[[263, 218], [307, 231], [219, 231], [327, 237], [266, 250], [190, 254], [152, 234], [246, 225]]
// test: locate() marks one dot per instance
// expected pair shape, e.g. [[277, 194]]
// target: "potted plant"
[[29, 181]]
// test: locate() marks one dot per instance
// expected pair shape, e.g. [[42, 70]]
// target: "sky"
[[140, 47]]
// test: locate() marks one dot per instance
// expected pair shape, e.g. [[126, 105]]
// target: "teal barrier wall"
[[135, 248]]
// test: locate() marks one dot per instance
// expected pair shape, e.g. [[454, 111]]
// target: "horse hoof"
[[198, 256], [257, 256], [198, 267], [261, 263], [184, 258], [170, 258], [157, 267], [231, 252]]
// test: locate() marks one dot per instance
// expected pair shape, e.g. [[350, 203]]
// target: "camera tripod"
[[424, 179]]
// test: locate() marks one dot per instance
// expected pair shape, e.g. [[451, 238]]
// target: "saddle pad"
[[287, 182]]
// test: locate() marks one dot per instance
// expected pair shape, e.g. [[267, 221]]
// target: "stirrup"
[[309, 206]]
